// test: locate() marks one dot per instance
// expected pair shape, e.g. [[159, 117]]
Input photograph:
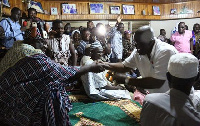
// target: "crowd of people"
[[40, 62]]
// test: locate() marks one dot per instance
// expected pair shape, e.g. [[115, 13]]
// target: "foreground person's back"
[[174, 108], [32, 87]]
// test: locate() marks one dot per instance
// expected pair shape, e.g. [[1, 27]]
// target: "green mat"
[[108, 113]]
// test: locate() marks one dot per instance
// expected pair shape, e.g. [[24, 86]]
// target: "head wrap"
[[127, 31], [74, 32], [183, 65]]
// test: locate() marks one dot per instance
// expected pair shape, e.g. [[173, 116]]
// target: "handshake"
[[99, 66]]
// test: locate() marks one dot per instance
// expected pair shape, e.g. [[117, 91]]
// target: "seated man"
[[174, 108], [95, 84], [33, 87]]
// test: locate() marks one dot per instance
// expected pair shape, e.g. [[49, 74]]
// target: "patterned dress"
[[59, 49], [196, 43], [127, 48], [32, 88]]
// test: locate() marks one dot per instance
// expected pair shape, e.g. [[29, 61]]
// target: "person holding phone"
[[33, 21]]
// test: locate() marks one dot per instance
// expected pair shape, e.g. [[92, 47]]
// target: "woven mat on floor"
[[108, 113]]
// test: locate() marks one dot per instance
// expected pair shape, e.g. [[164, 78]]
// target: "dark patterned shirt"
[[127, 48], [81, 47], [32, 92]]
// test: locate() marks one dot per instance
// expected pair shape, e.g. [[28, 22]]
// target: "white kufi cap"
[[183, 65]]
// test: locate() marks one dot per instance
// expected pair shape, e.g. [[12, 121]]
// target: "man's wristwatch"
[[127, 80]]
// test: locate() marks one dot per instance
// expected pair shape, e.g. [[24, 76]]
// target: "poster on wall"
[[68, 8], [173, 11], [54, 11], [37, 6], [128, 9], [156, 10], [96, 8], [6, 3], [114, 9], [0, 11]]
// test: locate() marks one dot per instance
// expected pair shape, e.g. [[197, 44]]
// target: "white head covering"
[[74, 32], [96, 44], [183, 65]]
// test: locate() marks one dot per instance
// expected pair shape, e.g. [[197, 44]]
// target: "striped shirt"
[[32, 92], [81, 47]]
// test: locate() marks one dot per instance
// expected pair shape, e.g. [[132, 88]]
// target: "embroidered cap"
[[127, 31], [183, 65]]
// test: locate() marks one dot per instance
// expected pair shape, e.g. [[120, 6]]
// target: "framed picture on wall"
[[128, 9], [0, 10], [54, 11], [114, 9], [6, 3], [37, 6], [156, 10], [68, 8], [173, 11], [96, 8]]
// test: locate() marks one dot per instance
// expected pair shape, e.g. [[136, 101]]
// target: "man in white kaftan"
[[174, 108]]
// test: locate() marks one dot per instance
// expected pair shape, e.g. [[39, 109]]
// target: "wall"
[[83, 11], [135, 24], [169, 25], [84, 14]]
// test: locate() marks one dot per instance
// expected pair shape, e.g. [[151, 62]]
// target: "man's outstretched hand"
[[94, 67], [97, 67]]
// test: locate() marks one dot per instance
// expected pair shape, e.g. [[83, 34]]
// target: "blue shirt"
[[17, 33]]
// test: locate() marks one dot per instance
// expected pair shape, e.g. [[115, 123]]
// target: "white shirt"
[[116, 44], [195, 97], [17, 33], [156, 67], [84, 60], [173, 108], [94, 84]]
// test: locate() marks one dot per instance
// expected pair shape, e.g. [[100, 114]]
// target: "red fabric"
[[25, 23], [139, 96], [33, 32]]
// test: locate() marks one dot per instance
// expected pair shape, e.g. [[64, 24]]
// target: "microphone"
[[25, 23]]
